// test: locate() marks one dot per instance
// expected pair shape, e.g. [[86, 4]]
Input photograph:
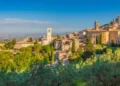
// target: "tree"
[[89, 49], [52, 54], [36, 41], [100, 42], [73, 47], [9, 45], [14, 41], [101, 74], [36, 48], [89, 46], [97, 40], [53, 42], [112, 44], [30, 40], [46, 52]]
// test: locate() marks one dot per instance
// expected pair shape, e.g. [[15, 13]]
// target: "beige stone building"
[[45, 40], [63, 46], [66, 44], [109, 33], [24, 43], [82, 36], [20, 45]]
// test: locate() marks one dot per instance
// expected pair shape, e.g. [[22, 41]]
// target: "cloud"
[[21, 21]]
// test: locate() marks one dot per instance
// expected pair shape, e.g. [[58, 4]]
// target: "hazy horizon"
[[32, 16]]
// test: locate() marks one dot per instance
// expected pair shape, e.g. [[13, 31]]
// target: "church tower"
[[49, 35], [119, 20], [96, 25]]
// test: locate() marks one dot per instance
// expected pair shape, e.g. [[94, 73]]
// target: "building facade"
[[109, 33], [49, 34]]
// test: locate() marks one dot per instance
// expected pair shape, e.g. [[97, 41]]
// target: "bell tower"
[[119, 20], [49, 34], [96, 25]]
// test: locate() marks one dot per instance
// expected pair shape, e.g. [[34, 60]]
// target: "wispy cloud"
[[22, 21]]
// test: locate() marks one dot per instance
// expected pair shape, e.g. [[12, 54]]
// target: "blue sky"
[[25, 16]]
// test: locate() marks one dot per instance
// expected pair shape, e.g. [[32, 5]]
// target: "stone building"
[[45, 40], [62, 56], [109, 33], [49, 35], [65, 44], [24, 43], [20, 45], [82, 36]]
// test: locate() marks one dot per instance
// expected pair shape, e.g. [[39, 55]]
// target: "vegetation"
[[100, 42], [36, 41], [100, 49], [73, 46], [29, 67], [10, 45], [76, 56], [31, 39], [99, 39], [89, 49], [52, 54], [92, 72], [26, 57]]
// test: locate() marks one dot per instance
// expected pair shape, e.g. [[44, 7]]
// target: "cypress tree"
[[30, 40], [89, 49], [97, 40], [36, 41], [52, 54], [73, 46], [100, 38]]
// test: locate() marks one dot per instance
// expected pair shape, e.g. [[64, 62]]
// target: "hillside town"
[[59, 42], [108, 33]]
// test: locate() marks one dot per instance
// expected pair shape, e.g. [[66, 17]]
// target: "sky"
[[33, 16]]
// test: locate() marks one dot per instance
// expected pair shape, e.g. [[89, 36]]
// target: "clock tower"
[[49, 35]]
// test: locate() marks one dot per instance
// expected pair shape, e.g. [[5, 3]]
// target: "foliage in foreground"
[[100, 72], [25, 58], [103, 71]]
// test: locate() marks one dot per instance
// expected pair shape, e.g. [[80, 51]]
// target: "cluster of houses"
[[110, 33], [62, 45]]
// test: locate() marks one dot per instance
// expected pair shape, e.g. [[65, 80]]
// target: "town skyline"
[[23, 16], [59, 42]]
